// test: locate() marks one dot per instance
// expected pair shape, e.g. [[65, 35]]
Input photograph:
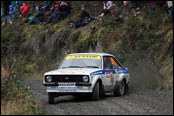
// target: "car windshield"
[[82, 61]]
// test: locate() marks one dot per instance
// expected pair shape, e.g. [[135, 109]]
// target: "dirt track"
[[135, 102]]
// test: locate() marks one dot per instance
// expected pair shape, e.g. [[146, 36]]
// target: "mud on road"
[[135, 102]]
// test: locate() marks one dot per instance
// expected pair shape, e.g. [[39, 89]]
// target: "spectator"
[[65, 7], [17, 9], [133, 6], [64, 10], [11, 10], [107, 7], [170, 9], [24, 10], [53, 14], [123, 10], [152, 5], [11, 16], [60, 12], [84, 18], [39, 17]]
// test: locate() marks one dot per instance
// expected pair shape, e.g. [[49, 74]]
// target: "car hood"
[[72, 71]]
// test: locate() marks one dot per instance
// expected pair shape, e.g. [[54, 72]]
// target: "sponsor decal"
[[108, 74], [96, 73], [84, 57], [100, 72], [111, 76]]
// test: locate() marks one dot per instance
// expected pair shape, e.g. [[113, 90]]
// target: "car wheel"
[[95, 93], [120, 90], [51, 97], [102, 92]]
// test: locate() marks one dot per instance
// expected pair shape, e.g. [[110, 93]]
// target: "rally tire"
[[95, 93], [102, 92], [51, 97], [120, 90]]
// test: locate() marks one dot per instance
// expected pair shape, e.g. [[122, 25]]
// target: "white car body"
[[107, 77]]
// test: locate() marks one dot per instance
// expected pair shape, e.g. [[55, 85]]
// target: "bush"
[[17, 99]]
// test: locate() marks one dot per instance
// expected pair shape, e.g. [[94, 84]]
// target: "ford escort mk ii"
[[92, 74]]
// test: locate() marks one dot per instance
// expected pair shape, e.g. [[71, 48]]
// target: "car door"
[[110, 66], [116, 67], [109, 73]]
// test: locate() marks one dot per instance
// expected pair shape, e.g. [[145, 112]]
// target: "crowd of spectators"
[[57, 11]]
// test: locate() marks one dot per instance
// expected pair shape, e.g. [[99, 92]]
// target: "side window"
[[107, 64], [114, 63]]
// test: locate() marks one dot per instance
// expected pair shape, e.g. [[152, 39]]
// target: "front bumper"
[[77, 84], [69, 88]]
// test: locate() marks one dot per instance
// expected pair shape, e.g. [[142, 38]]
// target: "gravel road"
[[135, 102]]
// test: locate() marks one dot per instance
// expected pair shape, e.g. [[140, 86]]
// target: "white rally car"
[[92, 74]]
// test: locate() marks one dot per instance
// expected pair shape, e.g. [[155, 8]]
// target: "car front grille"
[[67, 78]]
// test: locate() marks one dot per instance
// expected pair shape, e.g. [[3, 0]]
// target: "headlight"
[[85, 78], [48, 78]]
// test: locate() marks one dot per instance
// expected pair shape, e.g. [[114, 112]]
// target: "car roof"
[[100, 54]]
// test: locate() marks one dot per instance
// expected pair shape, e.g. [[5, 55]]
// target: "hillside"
[[144, 44]]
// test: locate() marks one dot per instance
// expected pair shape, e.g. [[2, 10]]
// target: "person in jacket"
[[133, 6], [39, 17], [11, 17], [17, 9], [53, 14], [24, 10], [11, 10], [65, 7], [64, 10], [106, 9], [84, 18]]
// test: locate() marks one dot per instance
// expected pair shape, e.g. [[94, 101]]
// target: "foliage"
[[20, 97]]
